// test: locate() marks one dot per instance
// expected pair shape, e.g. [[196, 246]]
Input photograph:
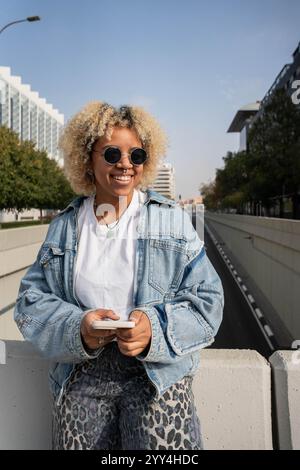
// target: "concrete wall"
[[18, 250], [269, 251], [286, 378], [25, 416], [232, 393]]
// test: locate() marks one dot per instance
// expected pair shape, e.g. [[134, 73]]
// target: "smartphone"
[[112, 324]]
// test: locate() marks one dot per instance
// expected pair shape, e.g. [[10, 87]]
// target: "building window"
[[30, 125], [41, 130], [11, 113], [22, 122]]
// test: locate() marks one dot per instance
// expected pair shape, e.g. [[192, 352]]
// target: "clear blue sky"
[[191, 63]]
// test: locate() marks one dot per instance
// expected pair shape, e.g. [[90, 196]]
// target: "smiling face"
[[108, 187]]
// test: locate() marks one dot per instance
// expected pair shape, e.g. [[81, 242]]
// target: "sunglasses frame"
[[114, 147]]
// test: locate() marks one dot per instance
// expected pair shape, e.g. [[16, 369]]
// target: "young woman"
[[120, 251]]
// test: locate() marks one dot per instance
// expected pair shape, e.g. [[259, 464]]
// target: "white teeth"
[[122, 178]]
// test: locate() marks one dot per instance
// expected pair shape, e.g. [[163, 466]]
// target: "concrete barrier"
[[232, 393], [233, 396], [286, 379], [25, 414], [18, 250]]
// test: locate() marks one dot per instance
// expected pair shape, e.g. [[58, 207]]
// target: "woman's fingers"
[[107, 337], [96, 342], [130, 338], [90, 317], [132, 348], [100, 342], [92, 336], [105, 313]]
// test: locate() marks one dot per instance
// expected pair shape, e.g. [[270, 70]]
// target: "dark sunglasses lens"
[[138, 156], [112, 155]]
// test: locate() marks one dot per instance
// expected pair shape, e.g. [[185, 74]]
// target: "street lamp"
[[29, 18]]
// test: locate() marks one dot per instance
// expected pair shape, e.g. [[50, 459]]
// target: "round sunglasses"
[[113, 155]]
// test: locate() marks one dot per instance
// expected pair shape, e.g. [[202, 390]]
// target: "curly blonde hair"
[[97, 119]]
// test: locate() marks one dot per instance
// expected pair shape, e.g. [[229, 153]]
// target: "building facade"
[[165, 181], [242, 123], [287, 79], [23, 111]]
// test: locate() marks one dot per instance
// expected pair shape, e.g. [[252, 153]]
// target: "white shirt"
[[105, 262]]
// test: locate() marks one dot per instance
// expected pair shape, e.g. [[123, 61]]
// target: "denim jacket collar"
[[156, 197]]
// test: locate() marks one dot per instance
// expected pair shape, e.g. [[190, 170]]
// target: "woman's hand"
[[133, 341], [92, 338]]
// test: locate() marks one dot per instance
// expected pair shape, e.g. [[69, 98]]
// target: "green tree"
[[208, 192], [274, 152], [232, 181], [53, 190], [8, 151], [29, 179], [15, 191]]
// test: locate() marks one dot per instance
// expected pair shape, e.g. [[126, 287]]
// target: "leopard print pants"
[[108, 404]]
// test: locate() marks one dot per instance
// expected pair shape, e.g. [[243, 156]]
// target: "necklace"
[[110, 227]]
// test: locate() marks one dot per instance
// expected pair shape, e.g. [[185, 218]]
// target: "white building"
[[242, 123], [165, 181], [23, 111]]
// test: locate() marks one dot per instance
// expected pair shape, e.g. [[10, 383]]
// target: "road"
[[239, 329]]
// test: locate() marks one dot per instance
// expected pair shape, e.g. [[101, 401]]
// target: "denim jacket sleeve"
[[192, 318], [51, 324]]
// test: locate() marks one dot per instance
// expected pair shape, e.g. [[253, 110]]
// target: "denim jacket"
[[175, 285]]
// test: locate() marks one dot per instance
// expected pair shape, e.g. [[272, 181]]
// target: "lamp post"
[[29, 18]]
